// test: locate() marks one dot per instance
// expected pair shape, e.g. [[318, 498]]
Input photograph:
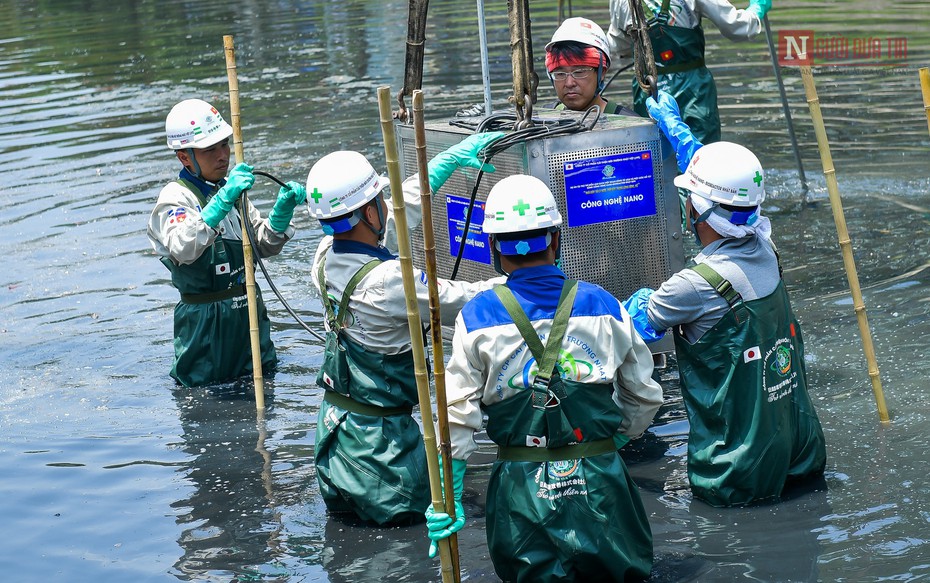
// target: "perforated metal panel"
[[619, 255]]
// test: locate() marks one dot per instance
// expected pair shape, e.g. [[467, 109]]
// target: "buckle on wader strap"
[[556, 454], [353, 406], [210, 297], [543, 395]]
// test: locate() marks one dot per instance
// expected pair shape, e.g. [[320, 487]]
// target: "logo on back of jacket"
[[779, 379]]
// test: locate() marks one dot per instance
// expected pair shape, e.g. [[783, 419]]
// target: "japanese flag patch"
[[535, 441], [222, 268], [751, 354]]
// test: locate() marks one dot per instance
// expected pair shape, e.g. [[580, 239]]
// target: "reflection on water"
[[115, 474]]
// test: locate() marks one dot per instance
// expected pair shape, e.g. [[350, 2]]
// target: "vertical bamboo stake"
[[244, 216], [439, 367], [925, 89], [845, 244], [413, 315]]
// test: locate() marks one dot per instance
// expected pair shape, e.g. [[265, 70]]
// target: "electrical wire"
[[544, 129], [261, 264]]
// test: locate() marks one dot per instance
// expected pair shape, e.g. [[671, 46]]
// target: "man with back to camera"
[[753, 428]]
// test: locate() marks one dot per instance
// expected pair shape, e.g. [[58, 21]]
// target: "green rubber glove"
[[239, 180], [282, 212], [465, 153], [760, 7], [439, 524]]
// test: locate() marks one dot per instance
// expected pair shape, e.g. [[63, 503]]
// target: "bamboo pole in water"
[[925, 89], [413, 316], [849, 262], [244, 216], [439, 367]]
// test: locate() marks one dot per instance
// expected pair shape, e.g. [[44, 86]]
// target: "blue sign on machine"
[[477, 247], [609, 188]]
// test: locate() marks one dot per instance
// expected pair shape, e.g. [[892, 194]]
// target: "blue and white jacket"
[[491, 362]]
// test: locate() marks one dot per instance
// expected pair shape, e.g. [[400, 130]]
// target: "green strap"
[[716, 281], [556, 454], [337, 321], [191, 187], [547, 357], [353, 406], [210, 297]]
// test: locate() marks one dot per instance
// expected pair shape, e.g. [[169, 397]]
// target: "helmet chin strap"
[[380, 231], [197, 172]]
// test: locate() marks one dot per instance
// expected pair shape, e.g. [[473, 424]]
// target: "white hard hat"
[[194, 123], [341, 182], [726, 173], [584, 31], [518, 204]]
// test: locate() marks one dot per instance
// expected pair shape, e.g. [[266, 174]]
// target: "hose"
[[261, 265]]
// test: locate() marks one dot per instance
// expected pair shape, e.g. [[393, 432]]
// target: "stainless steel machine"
[[613, 185]]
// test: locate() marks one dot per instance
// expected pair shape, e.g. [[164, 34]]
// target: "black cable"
[[258, 259], [536, 132], [614, 76]]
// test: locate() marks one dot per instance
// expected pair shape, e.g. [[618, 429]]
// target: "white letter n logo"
[[793, 47]]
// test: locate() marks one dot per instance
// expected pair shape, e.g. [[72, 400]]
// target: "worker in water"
[[369, 452], [577, 60], [753, 427], [195, 229], [564, 380], [677, 39]]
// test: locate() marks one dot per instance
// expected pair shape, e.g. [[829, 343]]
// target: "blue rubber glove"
[[283, 210], [636, 306], [239, 180], [465, 153], [760, 7], [668, 117], [440, 524]]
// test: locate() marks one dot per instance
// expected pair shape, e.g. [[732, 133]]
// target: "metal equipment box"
[[613, 185]]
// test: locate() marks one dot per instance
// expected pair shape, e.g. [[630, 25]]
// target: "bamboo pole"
[[439, 367], [413, 316], [849, 262], [244, 216], [925, 89]]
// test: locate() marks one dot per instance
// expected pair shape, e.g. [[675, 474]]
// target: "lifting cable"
[[525, 79], [536, 130], [413, 56], [258, 259], [644, 64]]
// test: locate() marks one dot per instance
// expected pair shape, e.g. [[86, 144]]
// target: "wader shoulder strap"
[[191, 187], [337, 320], [716, 281], [548, 356]]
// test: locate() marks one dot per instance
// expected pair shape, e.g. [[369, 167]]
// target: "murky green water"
[[110, 473]]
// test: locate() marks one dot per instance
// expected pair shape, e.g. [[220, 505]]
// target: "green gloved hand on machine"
[[465, 153], [239, 180], [290, 195], [760, 7], [440, 524]]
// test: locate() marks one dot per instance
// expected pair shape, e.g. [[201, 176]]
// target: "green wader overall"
[[566, 510], [744, 385], [369, 455], [679, 58], [211, 322]]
